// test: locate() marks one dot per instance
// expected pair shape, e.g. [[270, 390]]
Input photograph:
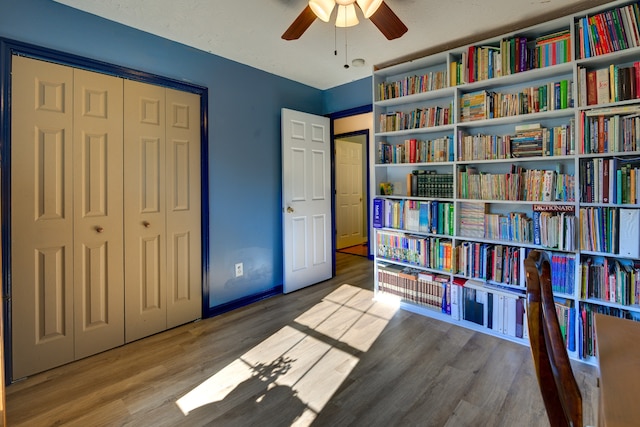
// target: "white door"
[[306, 199], [349, 215]]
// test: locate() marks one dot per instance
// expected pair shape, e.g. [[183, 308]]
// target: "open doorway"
[[351, 211]]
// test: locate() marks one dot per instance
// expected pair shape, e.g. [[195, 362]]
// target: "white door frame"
[[349, 182], [365, 164]]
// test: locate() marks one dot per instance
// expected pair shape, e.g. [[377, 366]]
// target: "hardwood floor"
[[327, 355]]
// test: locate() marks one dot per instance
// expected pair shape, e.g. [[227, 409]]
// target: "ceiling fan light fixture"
[[346, 16], [322, 8], [369, 7]]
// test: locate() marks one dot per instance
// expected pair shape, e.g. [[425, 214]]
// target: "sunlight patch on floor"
[[310, 365]]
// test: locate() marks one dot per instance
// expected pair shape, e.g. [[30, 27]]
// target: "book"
[[630, 229], [378, 213], [602, 86], [456, 297], [592, 88]]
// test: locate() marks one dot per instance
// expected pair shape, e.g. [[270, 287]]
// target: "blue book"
[[585, 36], [536, 227], [571, 336], [378, 213]]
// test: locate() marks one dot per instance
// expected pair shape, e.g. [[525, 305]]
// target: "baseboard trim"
[[242, 302]]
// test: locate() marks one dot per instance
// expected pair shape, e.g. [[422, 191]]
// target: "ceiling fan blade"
[[388, 22], [300, 25]]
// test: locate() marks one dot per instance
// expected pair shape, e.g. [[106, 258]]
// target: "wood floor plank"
[[325, 355]]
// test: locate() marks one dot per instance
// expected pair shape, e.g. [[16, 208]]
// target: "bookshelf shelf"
[[564, 222]]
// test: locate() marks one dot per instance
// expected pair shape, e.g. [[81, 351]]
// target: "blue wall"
[[347, 96], [244, 130]]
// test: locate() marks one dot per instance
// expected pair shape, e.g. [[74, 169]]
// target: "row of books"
[[512, 55], [499, 264], [416, 286], [518, 184], [414, 150], [471, 215], [615, 180], [599, 229], [512, 227], [410, 85], [608, 31], [566, 313], [429, 183], [610, 130], [530, 140], [563, 268], [551, 226], [415, 119], [605, 85], [587, 335], [534, 140], [553, 49], [414, 215], [555, 226], [612, 280], [429, 252], [502, 312], [483, 104]]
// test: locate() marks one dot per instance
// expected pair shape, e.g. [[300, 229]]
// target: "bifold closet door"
[[41, 215], [162, 209], [98, 260], [66, 215], [184, 283], [144, 210]]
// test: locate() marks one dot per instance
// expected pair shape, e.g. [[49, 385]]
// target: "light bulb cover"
[[346, 16], [369, 7], [322, 8]]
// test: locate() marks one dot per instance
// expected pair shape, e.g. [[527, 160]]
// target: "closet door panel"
[[144, 208], [41, 216], [184, 284], [99, 256]]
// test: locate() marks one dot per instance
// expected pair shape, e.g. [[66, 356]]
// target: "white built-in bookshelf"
[[526, 141]]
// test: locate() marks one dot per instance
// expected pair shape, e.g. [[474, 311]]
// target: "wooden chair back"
[[558, 386]]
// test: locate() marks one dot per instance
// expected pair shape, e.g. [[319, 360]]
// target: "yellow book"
[[613, 90], [632, 189], [453, 73]]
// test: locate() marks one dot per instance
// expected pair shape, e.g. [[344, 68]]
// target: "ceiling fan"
[[375, 10]]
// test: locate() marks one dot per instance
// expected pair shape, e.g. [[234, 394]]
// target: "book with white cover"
[[630, 233]]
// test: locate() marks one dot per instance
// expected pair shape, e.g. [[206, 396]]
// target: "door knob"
[[146, 224], [289, 209], [99, 229]]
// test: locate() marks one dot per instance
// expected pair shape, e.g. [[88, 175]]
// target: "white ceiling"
[[248, 31]]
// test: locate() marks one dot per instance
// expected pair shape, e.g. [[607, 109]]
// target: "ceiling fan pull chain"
[[346, 64]]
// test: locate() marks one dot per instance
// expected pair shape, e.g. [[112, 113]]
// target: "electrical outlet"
[[239, 269]]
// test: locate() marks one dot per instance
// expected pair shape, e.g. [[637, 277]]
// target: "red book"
[[412, 150], [603, 34], [517, 64], [592, 88], [471, 59], [636, 67], [605, 181], [600, 134]]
